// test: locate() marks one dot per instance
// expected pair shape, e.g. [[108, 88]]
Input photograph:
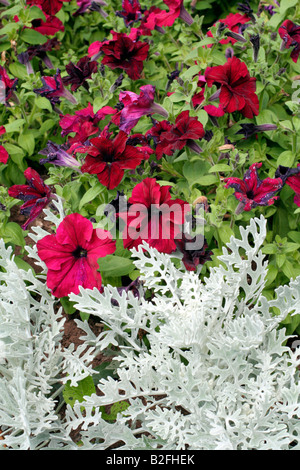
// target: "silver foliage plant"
[[214, 372]]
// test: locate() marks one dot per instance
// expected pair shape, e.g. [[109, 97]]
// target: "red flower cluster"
[[72, 254], [123, 53], [108, 158], [237, 88], [168, 138], [83, 123], [159, 220], [50, 7]]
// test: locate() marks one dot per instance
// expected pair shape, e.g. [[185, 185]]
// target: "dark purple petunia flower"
[[79, 73], [250, 129], [57, 155], [36, 195], [94, 5], [39, 51], [53, 88], [194, 253], [252, 191]]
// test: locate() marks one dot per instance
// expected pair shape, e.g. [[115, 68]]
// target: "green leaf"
[[222, 167], [26, 141], [67, 305], [43, 103], [113, 265], [33, 37], [192, 171], [71, 394], [286, 158], [14, 126], [12, 232], [207, 180], [91, 194]]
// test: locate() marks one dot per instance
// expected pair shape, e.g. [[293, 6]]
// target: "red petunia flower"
[[159, 220], [184, 132], [234, 22], [237, 92], [36, 195], [50, 7], [176, 10], [108, 158], [83, 123], [72, 254], [290, 34], [253, 192], [131, 12], [135, 106], [53, 88], [157, 132], [168, 138], [124, 53], [291, 176], [49, 27], [7, 86], [79, 73], [4, 156]]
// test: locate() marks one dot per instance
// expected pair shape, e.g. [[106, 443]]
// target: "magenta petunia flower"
[[251, 191], [36, 195], [290, 35], [122, 52], [50, 7], [4, 156], [237, 88], [159, 220], [135, 106], [79, 73], [176, 10], [72, 255], [7, 86], [108, 158], [53, 88], [83, 123]]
